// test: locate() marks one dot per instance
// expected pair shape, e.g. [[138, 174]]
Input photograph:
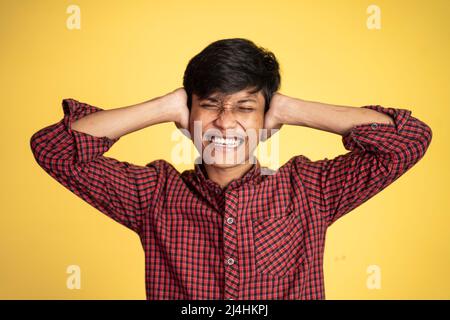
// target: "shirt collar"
[[252, 176]]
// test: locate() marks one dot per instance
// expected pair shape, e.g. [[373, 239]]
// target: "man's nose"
[[226, 118]]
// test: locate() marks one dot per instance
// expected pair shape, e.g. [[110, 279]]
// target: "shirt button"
[[230, 220], [230, 261], [374, 126]]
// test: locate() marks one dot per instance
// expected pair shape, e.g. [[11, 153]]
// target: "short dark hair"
[[231, 65]]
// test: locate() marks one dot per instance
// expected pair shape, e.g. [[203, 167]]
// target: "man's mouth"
[[225, 142]]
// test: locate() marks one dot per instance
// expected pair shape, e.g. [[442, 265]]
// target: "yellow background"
[[130, 51]]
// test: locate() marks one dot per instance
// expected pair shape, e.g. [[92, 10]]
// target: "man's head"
[[229, 85]]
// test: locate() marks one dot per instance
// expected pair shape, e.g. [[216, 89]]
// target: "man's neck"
[[223, 176]]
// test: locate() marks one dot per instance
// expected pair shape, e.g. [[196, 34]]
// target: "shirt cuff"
[[87, 146], [375, 136]]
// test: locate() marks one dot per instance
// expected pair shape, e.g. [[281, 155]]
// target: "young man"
[[225, 230]]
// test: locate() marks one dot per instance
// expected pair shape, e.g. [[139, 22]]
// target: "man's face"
[[230, 126]]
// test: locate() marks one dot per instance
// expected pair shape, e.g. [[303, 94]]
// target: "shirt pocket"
[[278, 245]]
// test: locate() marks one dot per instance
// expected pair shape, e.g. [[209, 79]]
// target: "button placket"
[[230, 244]]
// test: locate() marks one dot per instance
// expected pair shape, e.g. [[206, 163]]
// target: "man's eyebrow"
[[245, 100], [212, 99]]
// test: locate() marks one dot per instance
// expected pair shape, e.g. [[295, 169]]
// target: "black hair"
[[230, 65]]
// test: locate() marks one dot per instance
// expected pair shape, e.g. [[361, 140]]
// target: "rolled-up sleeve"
[[75, 159], [87, 147], [379, 154]]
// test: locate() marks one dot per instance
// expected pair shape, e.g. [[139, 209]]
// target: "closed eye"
[[209, 106], [246, 109], [215, 107]]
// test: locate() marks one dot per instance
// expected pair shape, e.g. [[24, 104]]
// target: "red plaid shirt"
[[262, 237]]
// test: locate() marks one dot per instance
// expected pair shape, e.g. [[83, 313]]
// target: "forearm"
[[118, 122], [327, 117]]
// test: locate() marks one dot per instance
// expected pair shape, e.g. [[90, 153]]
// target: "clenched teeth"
[[227, 142]]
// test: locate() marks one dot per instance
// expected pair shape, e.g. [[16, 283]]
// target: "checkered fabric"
[[261, 237]]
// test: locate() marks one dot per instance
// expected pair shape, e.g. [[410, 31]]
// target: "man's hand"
[[176, 102], [273, 117]]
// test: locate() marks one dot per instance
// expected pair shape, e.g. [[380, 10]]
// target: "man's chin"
[[225, 157], [224, 163]]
